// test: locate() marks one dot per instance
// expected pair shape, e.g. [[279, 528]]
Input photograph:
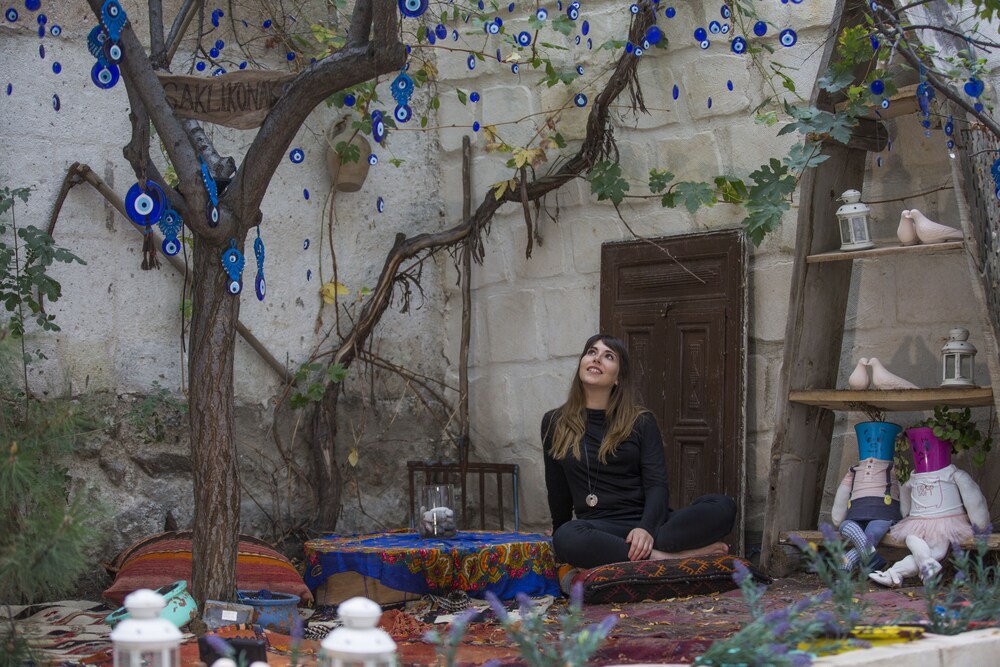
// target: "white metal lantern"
[[144, 639], [853, 220], [958, 360], [358, 643]]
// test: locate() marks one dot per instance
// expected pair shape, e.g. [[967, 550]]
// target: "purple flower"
[[778, 629], [800, 659], [772, 617], [984, 532], [740, 572], [777, 649], [606, 624], [576, 596], [798, 541], [829, 534], [298, 630], [498, 609], [220, 645]]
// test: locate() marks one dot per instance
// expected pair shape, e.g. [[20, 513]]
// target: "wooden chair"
[[460, 475]]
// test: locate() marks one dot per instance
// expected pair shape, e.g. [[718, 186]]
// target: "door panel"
[[680, 306]]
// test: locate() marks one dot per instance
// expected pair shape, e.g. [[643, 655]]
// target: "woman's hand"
[[641, 544]]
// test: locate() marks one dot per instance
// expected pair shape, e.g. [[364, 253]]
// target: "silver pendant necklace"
[[591, 498]]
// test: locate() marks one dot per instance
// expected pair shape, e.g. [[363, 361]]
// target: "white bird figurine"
[[932, 232], [906, 232], [883, 379], [859, 378]]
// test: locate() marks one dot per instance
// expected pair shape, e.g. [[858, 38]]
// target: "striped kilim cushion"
[[166, 558], [661, 579]]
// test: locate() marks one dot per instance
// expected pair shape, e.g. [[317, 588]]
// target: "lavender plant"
[[573, 645], [972, 595], [846, 588]]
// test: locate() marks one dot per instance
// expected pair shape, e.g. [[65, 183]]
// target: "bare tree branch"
[[361, 21], [222, 168], [180, 26], [157, 47]]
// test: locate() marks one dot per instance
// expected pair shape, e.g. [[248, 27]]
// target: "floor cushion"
[[636, 581], [165, 558]]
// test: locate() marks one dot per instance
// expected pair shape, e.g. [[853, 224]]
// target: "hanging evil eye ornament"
[[95, 43], [378, 126], [524, 38], [925, 93], [112, 51], [297, 156], [259, 285], [402, 113], [738, 45], [144, 204], [877, 87], [402, 88], [413, 8], [573, 11], [580, 100], [170, 226], [653, 36], [212, 207], [787, 37], [104, 75], [113, 17], [232, 263]]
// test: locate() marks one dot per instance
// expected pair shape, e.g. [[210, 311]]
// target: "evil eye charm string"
[[260, 286], [232, 262], [402, 90], [170, 227], [113, 18], [212, 207]]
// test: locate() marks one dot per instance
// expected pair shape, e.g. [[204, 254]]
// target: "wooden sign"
[[235, 99]]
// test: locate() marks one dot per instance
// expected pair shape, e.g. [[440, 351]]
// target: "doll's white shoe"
[[886, 578]]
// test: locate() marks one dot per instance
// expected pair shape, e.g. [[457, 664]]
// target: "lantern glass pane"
[[845, 231], [860, 228], [966, 366], [949, 367]]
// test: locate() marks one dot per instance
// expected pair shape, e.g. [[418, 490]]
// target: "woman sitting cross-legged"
[[604, 463]]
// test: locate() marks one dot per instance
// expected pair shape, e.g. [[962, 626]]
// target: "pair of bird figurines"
[[880, 377], [915, 227]]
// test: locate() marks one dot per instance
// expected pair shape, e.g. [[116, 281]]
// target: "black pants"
[[589, 543]]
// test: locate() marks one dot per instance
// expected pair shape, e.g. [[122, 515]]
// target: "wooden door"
[[679, 304]]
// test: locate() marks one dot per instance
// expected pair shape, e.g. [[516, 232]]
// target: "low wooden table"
[[503, 563]]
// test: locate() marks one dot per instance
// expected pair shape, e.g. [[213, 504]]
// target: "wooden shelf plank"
[[896, 400], [885, 249]]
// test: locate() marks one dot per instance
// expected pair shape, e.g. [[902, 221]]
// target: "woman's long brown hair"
[[568, 424]]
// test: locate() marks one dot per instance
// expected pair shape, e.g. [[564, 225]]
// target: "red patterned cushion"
[[661, 579], [166, 558]]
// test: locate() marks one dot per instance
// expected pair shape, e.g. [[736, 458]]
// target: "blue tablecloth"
[[472, 561]]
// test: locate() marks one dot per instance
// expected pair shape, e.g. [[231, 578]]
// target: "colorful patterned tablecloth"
[[472, 561]]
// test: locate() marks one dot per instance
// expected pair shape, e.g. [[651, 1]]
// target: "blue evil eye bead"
[[725, 28], [170, 222], [104, 76], [412, 8], [725, 12], [216, 15], [41, 51], [573, 13], [700, 35], [577, 40], [499, 56], [290, 56], [542, 14], [729, 84], [473, 96], [738, 45], [978, 106], [638, 51], [56, 104], [704, 44], [402, 113], [11, 14], [877, 87], [209, 181], [974, 87], [218, 71], [305, 193], [212, 214], [213, 52], [634, 8], [874, 41], [590, 43], [266, 24], [629, 47], [260, 286], [297, 156], [380, 204], [372, 159], [441, 31], [200, 66], [559, 5], [305, 244], [113, 17], [56, 67], [243, 65], [349, 100], [654, 35], [402, 88], [676, 92], [670, 12], [498, 21], [475, 126], [145, 204], [55, 30], [515, 68], [170, 247], [309, 274], [787, 37], [524, 38], [32, 5], [470, 62], [378, 127], [113, 52], [95, 41], [715, 27], [709, 102], [235, 286], [580, 100], [510, 7], [10, 89], [884, 103], [579, 70], [585, 28], [760, 28], [493, 27], [949, 127], [219, 44]]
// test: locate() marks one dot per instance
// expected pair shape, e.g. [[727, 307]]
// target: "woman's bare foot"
[[715, 549]]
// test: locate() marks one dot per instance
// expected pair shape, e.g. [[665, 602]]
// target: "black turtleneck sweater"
[[631, 487]]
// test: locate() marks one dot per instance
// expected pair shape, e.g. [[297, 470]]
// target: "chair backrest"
[[462, 476]]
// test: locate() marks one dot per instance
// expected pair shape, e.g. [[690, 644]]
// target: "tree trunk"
[[325, 470], [213, 452]]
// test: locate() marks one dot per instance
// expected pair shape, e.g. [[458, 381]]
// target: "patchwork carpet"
[[72, 633]]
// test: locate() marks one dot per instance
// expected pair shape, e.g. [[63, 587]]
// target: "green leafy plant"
[[954, 426]]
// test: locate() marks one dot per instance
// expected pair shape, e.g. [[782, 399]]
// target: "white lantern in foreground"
[[358, 643], [144, 639], [853, 220], [958, 360]]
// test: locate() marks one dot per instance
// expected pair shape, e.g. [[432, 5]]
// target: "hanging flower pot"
[[877, 440], [930, 452], [348, 175], [275, 611]]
